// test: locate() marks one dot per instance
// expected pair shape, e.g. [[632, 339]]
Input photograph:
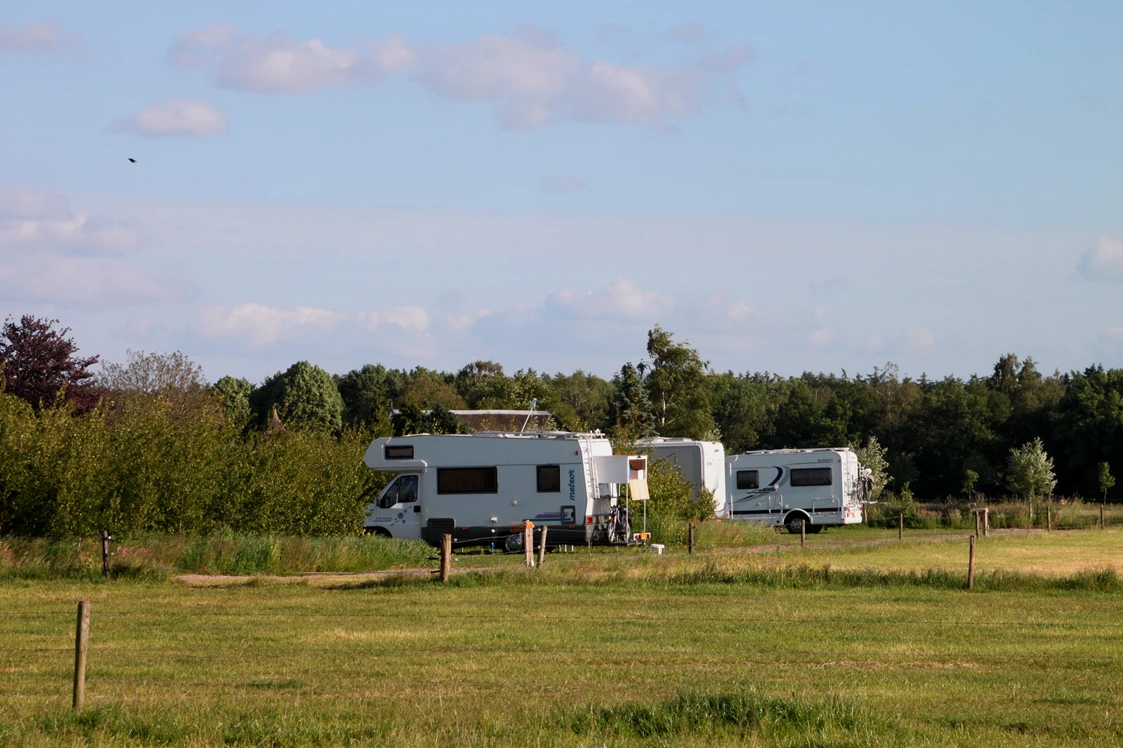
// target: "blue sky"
[[795, 186]]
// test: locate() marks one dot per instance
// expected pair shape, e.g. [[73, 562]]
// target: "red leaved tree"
[[39, 364]]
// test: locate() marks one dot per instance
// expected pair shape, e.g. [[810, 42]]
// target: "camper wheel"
[[378, 532], [514, 543], [793, 521]]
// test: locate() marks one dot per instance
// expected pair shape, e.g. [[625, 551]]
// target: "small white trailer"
[[789, 486], [703, 463], [483, 488]]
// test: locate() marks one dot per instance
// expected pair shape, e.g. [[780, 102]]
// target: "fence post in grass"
[[1101, 516], [802, 532], [446, 557], [690, 538], [105, 538], [542, 547], [528, 543], [1048, 518], [986, 522], [976, 523], [971, 566], [901, 526], [81, 645]]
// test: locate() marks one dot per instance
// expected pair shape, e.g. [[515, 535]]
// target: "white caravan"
[[703, 462], [788, 486], [483, 488]]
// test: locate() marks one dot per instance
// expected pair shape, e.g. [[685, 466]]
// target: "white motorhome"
[[789, 486], [703, 463], [483, 488]]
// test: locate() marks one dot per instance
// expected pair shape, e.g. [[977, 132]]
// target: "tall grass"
[[716, 715], [232, 553]]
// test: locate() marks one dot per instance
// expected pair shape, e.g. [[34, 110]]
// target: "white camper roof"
[[838, 450]]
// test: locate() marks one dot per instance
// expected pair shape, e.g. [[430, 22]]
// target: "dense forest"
[[151, 444]]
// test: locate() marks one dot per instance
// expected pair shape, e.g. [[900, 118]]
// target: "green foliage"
[[677, 387], [1106, 479], [1030, 471], [367, 394], [410, 419], [234, 394], [673, 496], [304, 397], [145, 466], [871, 455], [630, 410]]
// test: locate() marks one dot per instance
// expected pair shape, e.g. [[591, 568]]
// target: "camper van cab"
[[703, 463], [483, 488], [789, 486]]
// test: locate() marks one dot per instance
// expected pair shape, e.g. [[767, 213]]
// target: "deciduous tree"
[[39, 364]]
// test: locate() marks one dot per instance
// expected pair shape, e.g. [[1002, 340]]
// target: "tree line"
[[152, 444]]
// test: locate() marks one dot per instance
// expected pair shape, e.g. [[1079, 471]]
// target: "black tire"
[[793, 521], [514, 543]]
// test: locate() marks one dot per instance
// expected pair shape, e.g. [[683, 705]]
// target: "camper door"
[[397, 512]]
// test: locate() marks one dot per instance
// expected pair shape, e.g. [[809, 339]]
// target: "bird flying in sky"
[[132, 160]]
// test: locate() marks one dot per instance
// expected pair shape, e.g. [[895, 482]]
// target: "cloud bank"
[[1102, 262], [175, 117], [530, 77]]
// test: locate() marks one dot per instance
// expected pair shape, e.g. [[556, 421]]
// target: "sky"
[[798, 186]]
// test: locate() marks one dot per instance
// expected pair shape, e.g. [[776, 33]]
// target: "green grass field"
[[857, 639]]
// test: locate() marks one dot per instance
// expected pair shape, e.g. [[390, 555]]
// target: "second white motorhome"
[[703, 463], [483, 488], [790, 486]]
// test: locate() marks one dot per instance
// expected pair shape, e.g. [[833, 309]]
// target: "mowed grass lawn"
[[583, 652], [1056, 553]]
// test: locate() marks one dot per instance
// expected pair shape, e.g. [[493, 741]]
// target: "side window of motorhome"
[[811, 476], [398, 451], [468, 480], [390, 496], [549, 478], [748, 479]]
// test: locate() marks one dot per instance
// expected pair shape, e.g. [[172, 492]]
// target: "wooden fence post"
[[105, 538], [1048, 518], [901, 526], [446, 557], [528, 543], [976, 523], [690, 538], [1101, 516], [802, 532], [81, 645], [542, 547], [971, 566], [986, 522]]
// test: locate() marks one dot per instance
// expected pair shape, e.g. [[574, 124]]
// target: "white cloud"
[[622, 300], [532, 78], [35, 220], [279, 64], [406, 317], [175, 117], [34, 38], [1102, 262], [26, 204], [83, 281], [687, 32], [535, 81], [260, 325], [197, 48]]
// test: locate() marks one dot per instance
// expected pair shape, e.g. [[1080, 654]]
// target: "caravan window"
[[549, 478], [468, 480], [398, 451], [811, 476], [748, 479]]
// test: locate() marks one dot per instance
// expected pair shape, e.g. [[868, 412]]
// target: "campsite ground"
[[857, 639]]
